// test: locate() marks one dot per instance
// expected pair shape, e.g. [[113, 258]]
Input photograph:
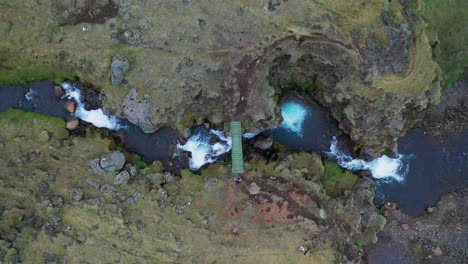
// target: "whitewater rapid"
[[385, 168], [202, 151], [95, 117]]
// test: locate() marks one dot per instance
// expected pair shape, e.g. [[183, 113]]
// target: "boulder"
[[113, 161], [58, 91], [94, 165], [253, 188], [70, 106], [122, 178], [263, 143], [72, 123], [437, 251], [76, 194], [119, 67]]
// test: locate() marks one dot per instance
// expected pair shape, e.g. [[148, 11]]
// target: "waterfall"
[[381, 168], [294, 115]]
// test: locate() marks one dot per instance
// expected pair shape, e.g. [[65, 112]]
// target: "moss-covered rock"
[[335, 180]]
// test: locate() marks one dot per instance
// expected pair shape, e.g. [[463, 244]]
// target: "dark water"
[[318, 128], [155, 146], [42, 101], [439, 165]]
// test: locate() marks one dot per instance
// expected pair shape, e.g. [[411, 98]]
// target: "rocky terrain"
[[439, 237], [67, 199], [169, 63], [77, 197]]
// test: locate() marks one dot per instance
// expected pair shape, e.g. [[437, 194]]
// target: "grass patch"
[[13, 72], [446, 22], [136, 159], [32, 125], [335, 180]]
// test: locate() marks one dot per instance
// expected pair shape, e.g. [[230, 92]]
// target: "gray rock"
[[131, 200], [368, 154], [263, 143], [437, 251], [141, 179], [185, 133], [138, 110], [56, 200], [121, 196], [43, 186], [113, 161], [92, 184], [94, 201], [122, 178], [168, 177], [105, 188], [156, 178], [76, 194], [133, 171], [94, 165], [119, 67], [136, 195], [57, 219], [48, 258]]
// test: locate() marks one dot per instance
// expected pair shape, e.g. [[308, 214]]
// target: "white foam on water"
[[95, 117], [29, 95], [381, 168], [202, 152], [294, 115], [250, 135]]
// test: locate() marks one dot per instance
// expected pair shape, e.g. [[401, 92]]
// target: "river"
[[427, 167]]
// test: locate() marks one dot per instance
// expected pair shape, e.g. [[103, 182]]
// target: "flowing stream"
[[427, 167]]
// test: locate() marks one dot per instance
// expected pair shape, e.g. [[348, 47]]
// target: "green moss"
[[14, 70], [416, 248], [155, 167], [32, 125], [360, 242], [306, 86], [136, 160], [186, 173], [335, 181], [380, 211]]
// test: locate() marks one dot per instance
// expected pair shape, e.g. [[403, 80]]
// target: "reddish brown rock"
[[72, 123], [58, 91], [70, 106]]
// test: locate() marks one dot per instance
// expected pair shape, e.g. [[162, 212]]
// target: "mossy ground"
[[185, 220], [446, 23], [335, 180]]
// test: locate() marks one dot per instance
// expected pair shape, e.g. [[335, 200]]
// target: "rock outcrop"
[[369, 63]]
